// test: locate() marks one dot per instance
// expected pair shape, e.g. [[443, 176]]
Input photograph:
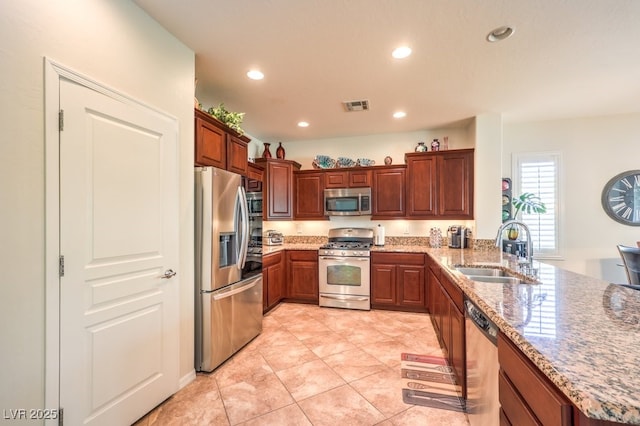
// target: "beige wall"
[[112, 42], [593, 150]]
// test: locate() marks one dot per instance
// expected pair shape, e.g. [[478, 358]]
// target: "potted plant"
[[231, 119], [528, 203]]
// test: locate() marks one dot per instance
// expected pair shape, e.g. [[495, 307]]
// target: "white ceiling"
[[567, 58]]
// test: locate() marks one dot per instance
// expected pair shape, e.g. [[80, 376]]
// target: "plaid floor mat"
[[429, 381]]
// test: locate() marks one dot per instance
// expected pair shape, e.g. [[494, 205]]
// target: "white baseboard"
[[187, 378]]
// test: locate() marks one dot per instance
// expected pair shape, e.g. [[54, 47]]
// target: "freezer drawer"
[[231, 318]]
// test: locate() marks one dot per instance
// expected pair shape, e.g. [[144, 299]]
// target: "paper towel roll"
[[380, 236]]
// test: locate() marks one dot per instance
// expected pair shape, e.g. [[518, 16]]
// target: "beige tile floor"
[[313, 366]]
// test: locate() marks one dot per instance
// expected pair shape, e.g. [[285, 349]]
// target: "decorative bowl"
[[345, 162], [364, 162], [323, 162]]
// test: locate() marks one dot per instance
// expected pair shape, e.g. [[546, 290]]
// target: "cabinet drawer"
[[271, 259], [515, 409], [547, 403], [308, 255], [398, 258]]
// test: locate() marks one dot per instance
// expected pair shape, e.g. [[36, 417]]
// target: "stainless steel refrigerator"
[[228, 278]]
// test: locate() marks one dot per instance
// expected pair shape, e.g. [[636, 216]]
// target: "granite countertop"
[[581, 332]]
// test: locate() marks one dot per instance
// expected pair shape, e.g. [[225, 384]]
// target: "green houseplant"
[[231, 119], [528, 203]]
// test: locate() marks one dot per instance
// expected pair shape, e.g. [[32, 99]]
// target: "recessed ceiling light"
[[255, 75], [500, 34], [399, 114], [303, 124], [401, 52]]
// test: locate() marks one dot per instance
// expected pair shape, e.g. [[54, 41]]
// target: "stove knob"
[[331, 252], [344, 253]]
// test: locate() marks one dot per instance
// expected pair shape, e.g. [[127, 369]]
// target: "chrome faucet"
[[526, 268]]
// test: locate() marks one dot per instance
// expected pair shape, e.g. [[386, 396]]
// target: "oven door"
[[345, 282]]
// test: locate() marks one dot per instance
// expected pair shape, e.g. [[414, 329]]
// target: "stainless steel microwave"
[[347, 202]]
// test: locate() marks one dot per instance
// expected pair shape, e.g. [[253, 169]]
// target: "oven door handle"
[[360, 259], [346, 298]]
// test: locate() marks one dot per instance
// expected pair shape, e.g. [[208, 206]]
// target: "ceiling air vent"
[[356, 105]]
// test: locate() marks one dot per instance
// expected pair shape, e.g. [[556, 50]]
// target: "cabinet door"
[[337, 179], [383, 285], [211, 145], [455, 180], [255, 175], [388, 189], [280, 191], [422, 186], [309, 195], [445, 323], [276, 284], [457, 351], [303, 275], [237, 155], [411, 286], [360, 178]]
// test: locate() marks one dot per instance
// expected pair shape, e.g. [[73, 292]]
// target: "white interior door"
[[118, 234]]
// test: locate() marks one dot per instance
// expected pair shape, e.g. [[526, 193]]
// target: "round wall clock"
[[621, 198]]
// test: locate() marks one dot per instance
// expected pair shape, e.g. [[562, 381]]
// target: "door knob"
[[169, 273]]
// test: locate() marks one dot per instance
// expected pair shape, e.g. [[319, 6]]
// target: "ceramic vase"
[[266, 153], [421, 147], [280, 151]]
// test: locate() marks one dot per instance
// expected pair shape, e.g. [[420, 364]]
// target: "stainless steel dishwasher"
[[483, 407]]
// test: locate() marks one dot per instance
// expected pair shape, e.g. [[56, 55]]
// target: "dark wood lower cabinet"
[[445, 303], [273, 280], [302, 275], [398, 281], [526, 395]]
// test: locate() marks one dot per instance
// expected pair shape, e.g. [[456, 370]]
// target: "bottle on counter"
[[379, 239]]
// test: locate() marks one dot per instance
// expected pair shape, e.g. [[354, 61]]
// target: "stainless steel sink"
[[496, 279], [486, 272], [492, 275]]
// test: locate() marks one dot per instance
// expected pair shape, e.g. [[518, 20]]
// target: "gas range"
[[345, 249], [348, 242], [343, 267]]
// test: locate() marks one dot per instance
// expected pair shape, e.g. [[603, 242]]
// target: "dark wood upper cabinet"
[[218, 145], [309, 195], [348, 178], [388, 192], [421, 186], [440, 184], [277, 188], [455, 184]]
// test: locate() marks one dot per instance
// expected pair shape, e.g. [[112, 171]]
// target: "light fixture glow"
[[401, 52], [500, 33], [399, 114], [255, 75], [303, 124]]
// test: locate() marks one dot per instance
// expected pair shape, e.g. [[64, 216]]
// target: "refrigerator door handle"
[[244, 227], [228, 293]]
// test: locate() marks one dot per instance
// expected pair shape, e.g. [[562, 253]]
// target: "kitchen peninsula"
[[581, 333]]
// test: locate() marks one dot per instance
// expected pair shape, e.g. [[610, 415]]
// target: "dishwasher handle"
[[480, 320]]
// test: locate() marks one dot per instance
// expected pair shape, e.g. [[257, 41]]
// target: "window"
[[539, 173]]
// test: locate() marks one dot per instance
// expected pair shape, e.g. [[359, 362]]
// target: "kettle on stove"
[[457, 236]]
